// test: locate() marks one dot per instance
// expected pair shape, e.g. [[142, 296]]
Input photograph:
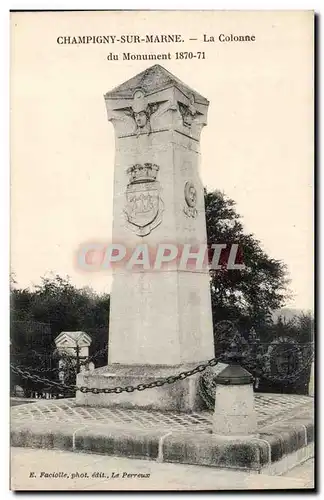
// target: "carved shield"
[[143, 206]]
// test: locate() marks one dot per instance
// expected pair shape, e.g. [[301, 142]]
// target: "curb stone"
[[275, 443]]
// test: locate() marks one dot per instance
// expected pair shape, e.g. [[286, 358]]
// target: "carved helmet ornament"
[[144, 206], [141, 112], [189, 112]]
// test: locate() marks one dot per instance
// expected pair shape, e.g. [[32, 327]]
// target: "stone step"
[[279, 447]]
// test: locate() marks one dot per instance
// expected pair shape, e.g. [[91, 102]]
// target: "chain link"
[[114, 390], [65, 355], [94, 356], [160, 382]]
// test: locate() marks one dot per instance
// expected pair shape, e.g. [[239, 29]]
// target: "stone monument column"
[[160, 319]]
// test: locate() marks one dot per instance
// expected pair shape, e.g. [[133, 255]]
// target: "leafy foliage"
[[298, 329], [38, 316], [249, 295], [246, 297]]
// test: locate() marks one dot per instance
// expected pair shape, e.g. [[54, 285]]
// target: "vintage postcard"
[[162, 184]]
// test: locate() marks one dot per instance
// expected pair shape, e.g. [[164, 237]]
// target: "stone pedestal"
[[160, 319], [235, 416], [181, 396]]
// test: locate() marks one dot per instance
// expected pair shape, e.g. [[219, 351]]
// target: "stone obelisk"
[[160, 320]]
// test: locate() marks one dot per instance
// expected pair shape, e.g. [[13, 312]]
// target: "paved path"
[[305, 471], [110, 473], [270, 408]]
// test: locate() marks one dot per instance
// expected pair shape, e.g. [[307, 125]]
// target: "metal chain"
[[94, 356], [115, 390], [45, 370], [157, 383], [42, 368]]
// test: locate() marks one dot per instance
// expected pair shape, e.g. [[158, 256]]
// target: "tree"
[[246, 296], [39, 315], [300, 327], [66, 308]]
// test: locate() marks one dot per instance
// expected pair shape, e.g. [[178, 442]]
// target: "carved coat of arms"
[[144, 206]]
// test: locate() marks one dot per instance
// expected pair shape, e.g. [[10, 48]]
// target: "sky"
[[257, 146]]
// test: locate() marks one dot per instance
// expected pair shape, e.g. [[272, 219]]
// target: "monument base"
[[181, 396], [285, 425]]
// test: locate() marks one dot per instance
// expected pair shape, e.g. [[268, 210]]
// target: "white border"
[[164, 5], [5, 6]]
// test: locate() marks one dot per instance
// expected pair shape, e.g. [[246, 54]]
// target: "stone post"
[[74, 345], [160, 320], [235, 415]]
